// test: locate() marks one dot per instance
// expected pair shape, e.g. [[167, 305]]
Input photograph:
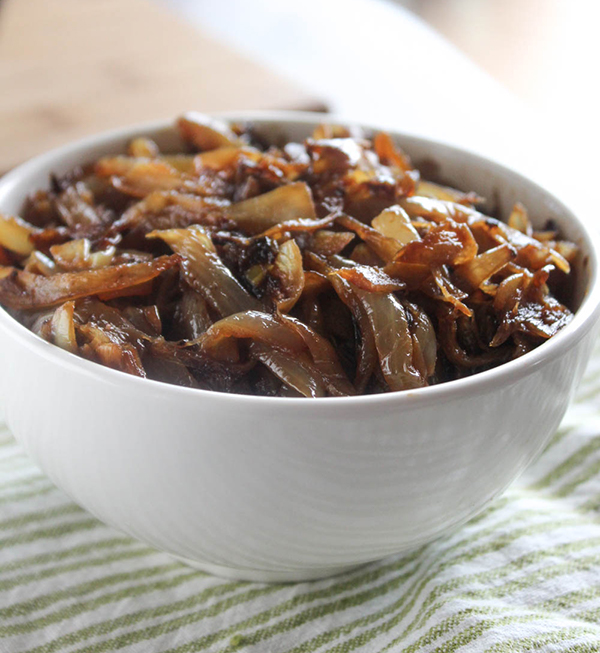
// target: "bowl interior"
[[467, 171]]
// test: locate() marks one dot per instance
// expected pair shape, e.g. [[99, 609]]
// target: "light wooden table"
[[74, 67]]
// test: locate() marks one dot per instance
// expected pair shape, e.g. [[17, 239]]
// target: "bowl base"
[[266, 575]]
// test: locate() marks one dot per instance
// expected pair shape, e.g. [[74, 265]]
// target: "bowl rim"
[[584, 319]]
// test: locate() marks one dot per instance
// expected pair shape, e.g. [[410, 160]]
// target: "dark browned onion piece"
[[205, 272], [448, 243], [140, 177], [192, 318], [296, 344], [386, 248], [306, 225], [388, 326], [203, 210], [23, 290], [448, 335], [111, 348], [297, 373], [75, 207], [534, 312]]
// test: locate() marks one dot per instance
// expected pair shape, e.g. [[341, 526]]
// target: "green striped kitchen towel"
[[523, 576]]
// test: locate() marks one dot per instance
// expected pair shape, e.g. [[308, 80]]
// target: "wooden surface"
[[74, 67]]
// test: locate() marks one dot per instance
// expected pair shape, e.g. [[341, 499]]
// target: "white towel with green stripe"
[[523, 576]]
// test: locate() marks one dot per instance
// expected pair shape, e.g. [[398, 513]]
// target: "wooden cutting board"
[[74, 67]]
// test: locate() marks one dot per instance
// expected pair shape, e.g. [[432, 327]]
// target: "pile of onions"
[[323, 268]]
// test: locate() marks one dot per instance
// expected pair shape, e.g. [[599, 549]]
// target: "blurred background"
[[511, 78]]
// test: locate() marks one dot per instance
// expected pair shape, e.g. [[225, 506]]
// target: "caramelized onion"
[[386, 323], [296, 345], [385, 247], [314, 269], [63, 327], [291, 202], [448, 243], [204, 132], [23, 290], [394, 223], [15, 235], [205, 272], [288, 270]]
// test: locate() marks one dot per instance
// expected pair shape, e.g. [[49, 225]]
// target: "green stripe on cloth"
[[49, 532], [57, 556], [575, 461], [36, 576], [554, 638], [13, 499], [198, 599], [524, 575], [87, 587], [401, 608], [40, 515], [357, 582]]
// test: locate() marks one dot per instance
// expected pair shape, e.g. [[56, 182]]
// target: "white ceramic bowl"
[[286, 489]]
